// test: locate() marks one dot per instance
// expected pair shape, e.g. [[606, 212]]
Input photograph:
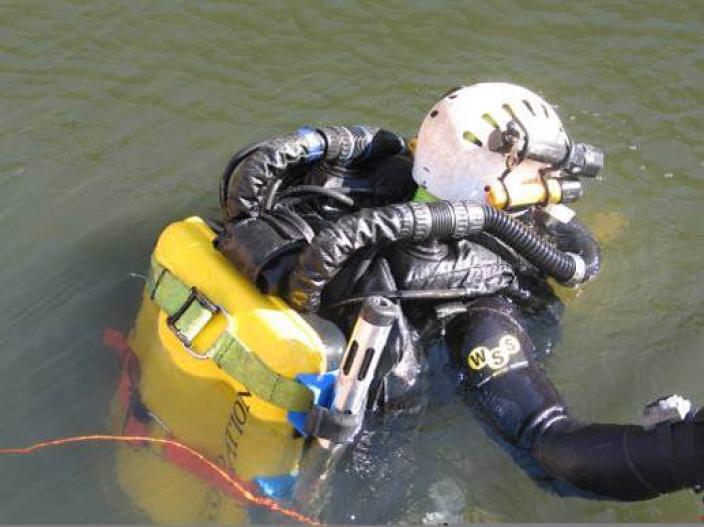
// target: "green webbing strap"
[[189, 311], [240, 363]]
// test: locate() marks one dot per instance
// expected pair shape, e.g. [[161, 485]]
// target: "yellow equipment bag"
[[217, 366]]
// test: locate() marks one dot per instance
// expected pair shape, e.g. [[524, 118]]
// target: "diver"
[[456, 232]]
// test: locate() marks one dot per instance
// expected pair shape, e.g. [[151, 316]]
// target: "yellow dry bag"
[[217, 370]]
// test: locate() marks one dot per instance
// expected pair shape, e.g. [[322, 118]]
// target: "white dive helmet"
[[452, 160]]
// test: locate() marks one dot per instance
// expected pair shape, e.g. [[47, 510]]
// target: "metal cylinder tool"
[[369, 336], [339, 423]]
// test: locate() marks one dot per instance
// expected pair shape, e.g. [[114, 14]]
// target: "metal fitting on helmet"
[[452, 157]]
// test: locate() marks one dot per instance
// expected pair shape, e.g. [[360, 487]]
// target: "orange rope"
[[246, 494]]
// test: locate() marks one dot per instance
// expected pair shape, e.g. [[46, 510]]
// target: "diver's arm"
[[509, 388]]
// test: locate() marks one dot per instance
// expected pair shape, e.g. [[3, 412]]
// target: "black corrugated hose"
[[528, 244], [442, 220]]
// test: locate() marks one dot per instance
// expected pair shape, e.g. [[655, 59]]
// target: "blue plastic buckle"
[[323, 388]]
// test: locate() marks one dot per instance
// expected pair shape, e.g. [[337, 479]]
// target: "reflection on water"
[[118, 117]]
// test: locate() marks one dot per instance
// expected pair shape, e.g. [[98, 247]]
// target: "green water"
[[117, 118]]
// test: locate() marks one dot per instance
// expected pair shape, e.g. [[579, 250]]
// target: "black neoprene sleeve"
[[511, 391]]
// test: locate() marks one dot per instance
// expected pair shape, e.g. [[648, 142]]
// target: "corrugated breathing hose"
[[442, 220]]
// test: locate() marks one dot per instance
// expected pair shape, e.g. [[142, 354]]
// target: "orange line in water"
[[260, 501]]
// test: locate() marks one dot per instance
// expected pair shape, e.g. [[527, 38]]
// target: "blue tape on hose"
[[314, 142]]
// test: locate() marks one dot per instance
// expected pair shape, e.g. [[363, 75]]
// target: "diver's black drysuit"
[[324, 217]]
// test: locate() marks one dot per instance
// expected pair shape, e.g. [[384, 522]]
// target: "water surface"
[[117, 118]]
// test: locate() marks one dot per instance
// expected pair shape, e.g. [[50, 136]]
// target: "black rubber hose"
[[250, 175], [246, 184], [271, 195], [528, 244], [333, 246], [332, 193], [412, 294], [235, 160], [445, 222], [570, 236], [583, 243]]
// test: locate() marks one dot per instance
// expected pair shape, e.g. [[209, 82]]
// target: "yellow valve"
[[512, 197]]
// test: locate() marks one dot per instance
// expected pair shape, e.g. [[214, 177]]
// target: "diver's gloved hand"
[[670, 409]]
